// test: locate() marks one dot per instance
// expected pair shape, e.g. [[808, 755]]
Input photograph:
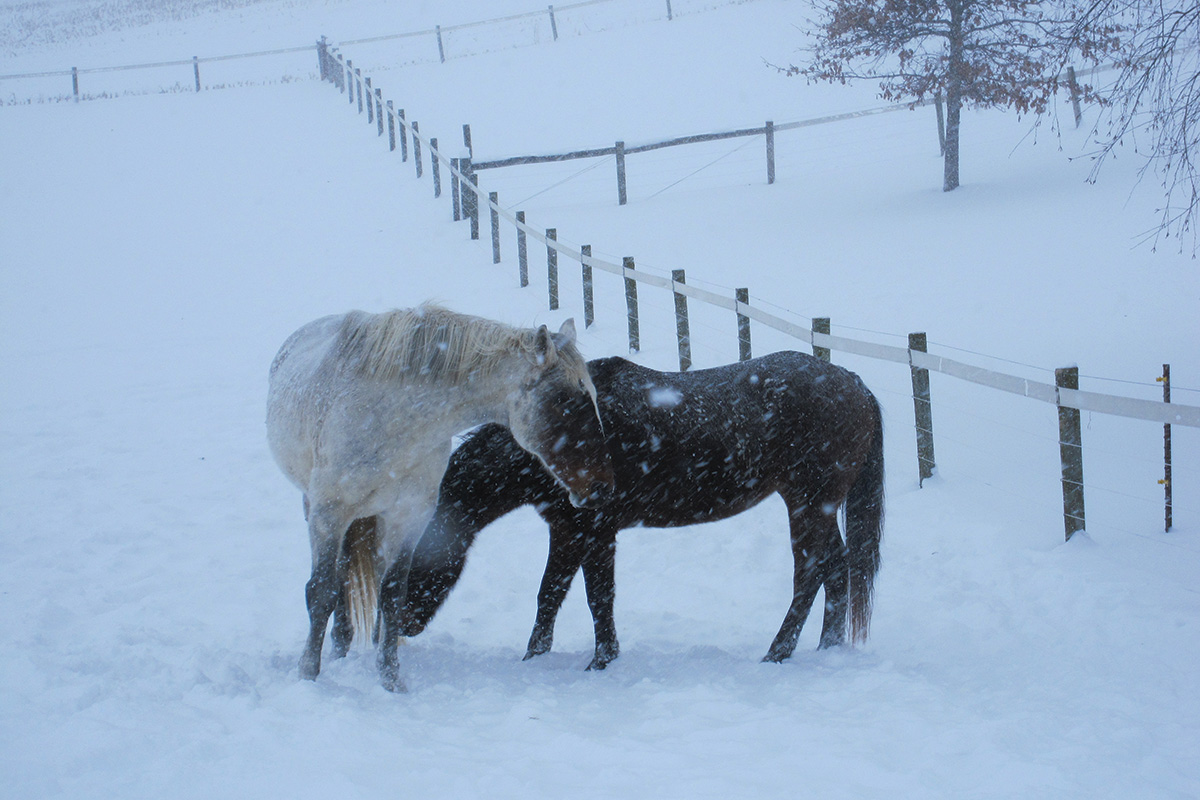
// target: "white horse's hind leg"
[[327, 526]]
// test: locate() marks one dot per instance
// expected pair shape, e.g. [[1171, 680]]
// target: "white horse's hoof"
[[393, 683]]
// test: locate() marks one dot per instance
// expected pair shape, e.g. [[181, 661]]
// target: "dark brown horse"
[[686, 448]]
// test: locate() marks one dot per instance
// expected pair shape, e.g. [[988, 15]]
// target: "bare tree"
[[1154, 103], [982, 53]]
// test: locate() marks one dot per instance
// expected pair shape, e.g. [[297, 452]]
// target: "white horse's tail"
[[362, 581]]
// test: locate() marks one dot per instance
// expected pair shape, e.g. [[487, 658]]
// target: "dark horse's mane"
[[686, 448]]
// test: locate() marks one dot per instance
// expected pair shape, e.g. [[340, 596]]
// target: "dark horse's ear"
[[543, 347]]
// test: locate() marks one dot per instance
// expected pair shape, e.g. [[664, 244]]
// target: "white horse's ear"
[[568, 330], [543, 347]]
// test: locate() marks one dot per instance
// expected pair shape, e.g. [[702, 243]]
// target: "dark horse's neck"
[[488, 465]]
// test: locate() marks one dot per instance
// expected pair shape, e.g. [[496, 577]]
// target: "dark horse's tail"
[[864, 531]]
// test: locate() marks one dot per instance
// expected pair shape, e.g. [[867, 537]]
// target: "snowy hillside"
[[158, 248]]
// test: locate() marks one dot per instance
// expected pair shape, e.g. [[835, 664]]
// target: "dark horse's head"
[[488, 476]]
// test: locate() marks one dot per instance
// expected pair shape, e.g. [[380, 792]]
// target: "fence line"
[[768, 130], [1064, 393], [436, 31]]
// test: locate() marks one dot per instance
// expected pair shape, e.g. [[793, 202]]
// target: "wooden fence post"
[[821, 325], [474, 205], [441, 47], [743, 322], [322, 57], [403, 135], [589, 310], [75, 82], [553, 24], [467, 141], [370, 102], [464, 165], [1166, 481], [196, 70], [455, 168], [631, 304], [682, 330], [340, 71], [493, 204], [669, 15], [435, 167], [391, 127], [926, 465], [379, 109], [1070, 447], [620, 148], [416, 132], [358, 86], [1074, 86], [522, 250], [552, 267], [770, 131]]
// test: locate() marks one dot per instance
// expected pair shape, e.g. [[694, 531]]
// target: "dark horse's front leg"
[[599, 577], [820, 557], [567, 543]]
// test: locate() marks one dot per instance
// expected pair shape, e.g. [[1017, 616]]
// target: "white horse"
[[361, 411]]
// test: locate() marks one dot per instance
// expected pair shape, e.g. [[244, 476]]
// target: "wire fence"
[[439, 43]]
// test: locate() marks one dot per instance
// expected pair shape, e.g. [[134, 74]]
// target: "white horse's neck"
[[482, 398]]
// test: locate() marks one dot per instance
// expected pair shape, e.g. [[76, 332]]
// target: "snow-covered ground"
[[157, 249]]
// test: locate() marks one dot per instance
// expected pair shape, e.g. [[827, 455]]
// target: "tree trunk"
[[954, 73], [950, 157]]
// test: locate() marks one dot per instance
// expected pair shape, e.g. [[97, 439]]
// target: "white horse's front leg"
[[403, 527]]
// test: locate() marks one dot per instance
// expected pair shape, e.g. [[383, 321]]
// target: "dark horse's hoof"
[[604, 657], [539, 644]]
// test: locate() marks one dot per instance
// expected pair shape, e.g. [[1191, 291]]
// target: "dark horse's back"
[[686, 447], [709, 444]]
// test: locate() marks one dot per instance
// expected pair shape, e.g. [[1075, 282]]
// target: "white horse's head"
[[553, 414]]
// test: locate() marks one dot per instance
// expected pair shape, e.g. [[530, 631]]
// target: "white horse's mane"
[[434, 344]]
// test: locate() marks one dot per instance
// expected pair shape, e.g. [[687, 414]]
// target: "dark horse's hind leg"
[[566, 555], [837, 597], [819, 558]]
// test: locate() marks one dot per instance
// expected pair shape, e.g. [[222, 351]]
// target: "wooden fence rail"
[[1064, 394]]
